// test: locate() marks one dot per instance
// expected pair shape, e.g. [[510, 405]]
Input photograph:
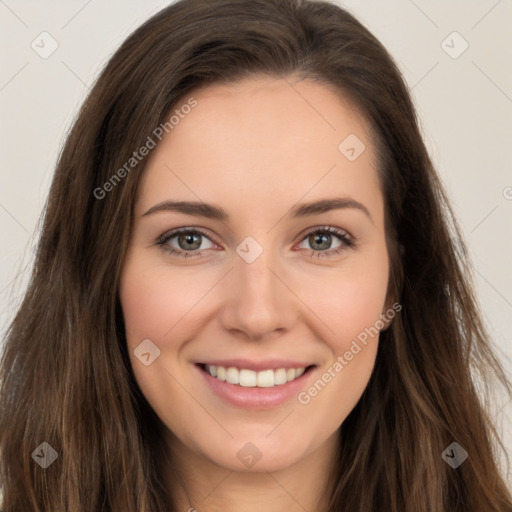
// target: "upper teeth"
[[250, 378]]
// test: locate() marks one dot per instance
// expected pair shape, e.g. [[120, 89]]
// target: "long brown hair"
[[65, 374]]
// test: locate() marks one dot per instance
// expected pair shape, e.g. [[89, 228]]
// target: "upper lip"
[[267, 364]]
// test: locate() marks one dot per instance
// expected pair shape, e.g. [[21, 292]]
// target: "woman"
[[249, 292]]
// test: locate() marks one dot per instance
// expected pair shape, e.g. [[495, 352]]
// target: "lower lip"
[[256, 398]]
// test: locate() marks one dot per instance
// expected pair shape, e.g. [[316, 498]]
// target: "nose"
[[258, 302]]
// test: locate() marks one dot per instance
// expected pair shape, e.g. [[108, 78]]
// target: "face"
[[270, 272]]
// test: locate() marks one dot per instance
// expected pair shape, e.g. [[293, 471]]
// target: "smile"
[[251, 384]]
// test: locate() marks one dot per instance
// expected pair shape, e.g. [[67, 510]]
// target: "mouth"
[[246, 384], [249, 378]]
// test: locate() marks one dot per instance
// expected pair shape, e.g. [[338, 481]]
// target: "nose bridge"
[[258, 302]]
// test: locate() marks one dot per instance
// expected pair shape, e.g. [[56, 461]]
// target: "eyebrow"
[[210, 211]]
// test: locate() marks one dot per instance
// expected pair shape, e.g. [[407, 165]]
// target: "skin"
[[256, 148]]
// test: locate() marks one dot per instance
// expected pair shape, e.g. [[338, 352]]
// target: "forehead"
[[261, 138]]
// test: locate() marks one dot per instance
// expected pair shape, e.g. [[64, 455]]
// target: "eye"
[[185, 242], [320, 241], [188, 242]]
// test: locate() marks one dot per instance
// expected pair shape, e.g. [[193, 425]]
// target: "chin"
[[257, 455]]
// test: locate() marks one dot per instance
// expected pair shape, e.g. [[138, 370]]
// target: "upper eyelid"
[[178, 231], [329, 229]]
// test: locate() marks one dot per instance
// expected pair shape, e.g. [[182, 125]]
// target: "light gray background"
[[465, 106]]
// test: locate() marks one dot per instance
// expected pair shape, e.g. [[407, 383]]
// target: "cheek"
[[154, 301], [157, 306], [349, 299]]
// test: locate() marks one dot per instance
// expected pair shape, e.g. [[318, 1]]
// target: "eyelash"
[[347, 241]]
